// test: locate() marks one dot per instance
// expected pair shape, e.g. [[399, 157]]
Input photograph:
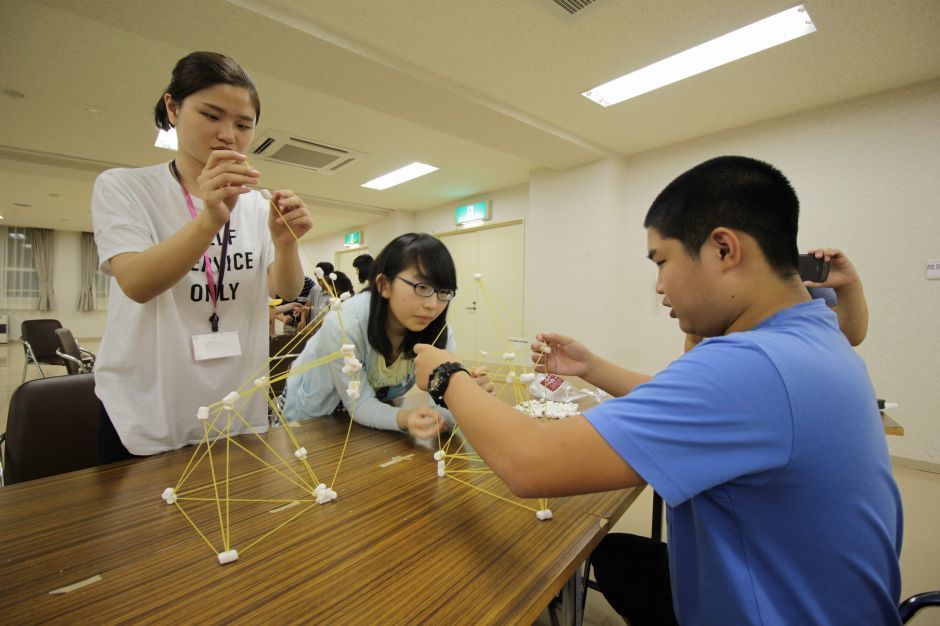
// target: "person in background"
[[193, 252], [363, 265]]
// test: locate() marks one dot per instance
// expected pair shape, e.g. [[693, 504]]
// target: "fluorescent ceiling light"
[[399, 176], [767, 33], [166, 139]]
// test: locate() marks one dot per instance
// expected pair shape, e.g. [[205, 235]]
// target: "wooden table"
[[399, 545]]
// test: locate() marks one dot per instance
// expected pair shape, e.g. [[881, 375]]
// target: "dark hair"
[[433, 261], [200, 70], [343, 284], [735, 192], [326, 266], [363, 264]]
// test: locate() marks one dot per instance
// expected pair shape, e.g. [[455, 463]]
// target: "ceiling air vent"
[[572, 6], [282, 147]]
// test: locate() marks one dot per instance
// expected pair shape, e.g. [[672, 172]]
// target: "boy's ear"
[[724, 243]]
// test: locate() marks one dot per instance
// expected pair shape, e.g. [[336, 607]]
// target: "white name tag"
[[216, 345]]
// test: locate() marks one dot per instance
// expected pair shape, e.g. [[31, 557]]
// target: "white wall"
[[507, 204], [866, 172], [67, 283]]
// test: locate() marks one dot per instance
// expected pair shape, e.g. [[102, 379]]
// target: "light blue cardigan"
[[318, 391]]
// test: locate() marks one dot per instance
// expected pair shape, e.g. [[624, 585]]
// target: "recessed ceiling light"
[[166, 139], [399, 176], [1, 217], [92, 109], [54, 195], [761, 35], [22, 204]]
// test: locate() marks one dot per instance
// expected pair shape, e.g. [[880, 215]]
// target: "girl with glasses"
[[411, 283]]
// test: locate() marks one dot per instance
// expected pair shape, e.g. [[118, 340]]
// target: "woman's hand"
[[566, 357], [422, 422], [221, 181], [289, 219]]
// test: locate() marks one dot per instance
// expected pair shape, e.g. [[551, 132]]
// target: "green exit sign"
[[475, 212], [353, 239]]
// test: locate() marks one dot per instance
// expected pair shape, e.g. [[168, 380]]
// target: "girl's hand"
[[422, 422], [567, 356], [221, 181], [290, 220]]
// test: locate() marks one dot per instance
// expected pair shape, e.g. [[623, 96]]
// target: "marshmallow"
[[334, 304], [544, 514], [202, 413], [511, 376], [300, 453], [509, 356], [545, 348], [261, 382], [352, 390], [548, 408], [527, 377], [228, 556], [348, 348], [265, 193], [441, 468], [439, 455], [351, 365], [230, 400], [477, 276], [318, 272], [345, 296], [484, 353], [324, 494], [169, 495], [332, 275]]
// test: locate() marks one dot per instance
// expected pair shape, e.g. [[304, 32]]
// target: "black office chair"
[[909, 607], [77, 359], [40, 344], [52, 428]]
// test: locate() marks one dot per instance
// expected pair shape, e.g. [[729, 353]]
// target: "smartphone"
[[811, 268]]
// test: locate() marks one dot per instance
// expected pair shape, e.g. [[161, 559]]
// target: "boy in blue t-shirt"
[[765, 441]]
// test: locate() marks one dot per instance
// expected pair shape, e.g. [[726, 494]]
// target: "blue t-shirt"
[[768, 448]]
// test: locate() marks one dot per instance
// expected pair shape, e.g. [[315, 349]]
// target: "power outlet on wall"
[[933, 269]]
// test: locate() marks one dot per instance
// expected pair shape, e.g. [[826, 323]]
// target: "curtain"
[[43, 240], [86, 297]]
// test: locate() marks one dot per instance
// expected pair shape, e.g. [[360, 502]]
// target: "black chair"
[[52, 428], [40, 344], [77, 359], [909, 607]]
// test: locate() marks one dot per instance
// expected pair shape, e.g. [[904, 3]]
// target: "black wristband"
[[440, 378]]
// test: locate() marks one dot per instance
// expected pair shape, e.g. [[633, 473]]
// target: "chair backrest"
[[52, 427], [69, 347], [279, 365], [40, 334]]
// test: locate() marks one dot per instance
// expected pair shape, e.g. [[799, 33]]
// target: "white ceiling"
[[487, 90]]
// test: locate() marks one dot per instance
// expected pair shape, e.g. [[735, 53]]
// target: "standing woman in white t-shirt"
[[194, 254]]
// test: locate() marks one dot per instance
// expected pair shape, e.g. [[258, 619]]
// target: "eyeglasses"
[[426, 291]]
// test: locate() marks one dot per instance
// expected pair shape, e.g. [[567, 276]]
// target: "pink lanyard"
[[213, 289]]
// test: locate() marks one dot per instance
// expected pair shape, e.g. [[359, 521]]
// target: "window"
[[19, 282], [102, 285]]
